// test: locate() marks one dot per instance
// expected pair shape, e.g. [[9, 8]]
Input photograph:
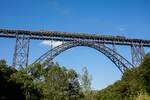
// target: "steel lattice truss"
[[96, 41], [21, 52], [117, 59]]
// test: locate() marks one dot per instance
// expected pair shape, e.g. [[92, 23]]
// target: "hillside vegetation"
[[134, 85], [37, 82]]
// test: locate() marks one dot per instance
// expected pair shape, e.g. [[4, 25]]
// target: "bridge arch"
[[120, 62]]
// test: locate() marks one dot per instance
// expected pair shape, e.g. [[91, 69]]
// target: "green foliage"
[[86, 80], [37, 83], [86, 84], [31, 89], [62, 84], [40, 82], [9, 89], [142, 96], [133, 82]]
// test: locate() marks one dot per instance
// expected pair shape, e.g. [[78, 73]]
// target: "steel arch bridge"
[[117, 59], [70, 40]]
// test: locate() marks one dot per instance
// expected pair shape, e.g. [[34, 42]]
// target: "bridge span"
[[96, 41], [67, 36]]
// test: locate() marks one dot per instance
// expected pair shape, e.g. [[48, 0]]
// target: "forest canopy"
[[37, 82]]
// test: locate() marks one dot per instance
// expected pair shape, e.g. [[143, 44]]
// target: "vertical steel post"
[[28, 46], [114, 47], [15, 52]]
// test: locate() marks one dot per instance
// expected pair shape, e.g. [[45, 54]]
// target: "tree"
[[74, 89], [62, 84], [9, 89], [37, 82], [86, 84], [32, 89]]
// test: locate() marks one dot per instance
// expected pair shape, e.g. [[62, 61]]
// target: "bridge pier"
[[21, 52], [137, 53]]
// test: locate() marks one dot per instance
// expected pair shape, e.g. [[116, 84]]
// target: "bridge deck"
[[67, 36]]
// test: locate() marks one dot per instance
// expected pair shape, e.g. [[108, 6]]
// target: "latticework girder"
[[116, 58], [137, 52], [21, 53]]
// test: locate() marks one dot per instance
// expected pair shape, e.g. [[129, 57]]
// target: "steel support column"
[[137, 53], [114, 47], [21, 52]]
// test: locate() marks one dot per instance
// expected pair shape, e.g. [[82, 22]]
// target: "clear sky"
[[130, 18]]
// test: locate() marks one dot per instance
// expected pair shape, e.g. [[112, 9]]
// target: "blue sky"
[[114, 17]]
